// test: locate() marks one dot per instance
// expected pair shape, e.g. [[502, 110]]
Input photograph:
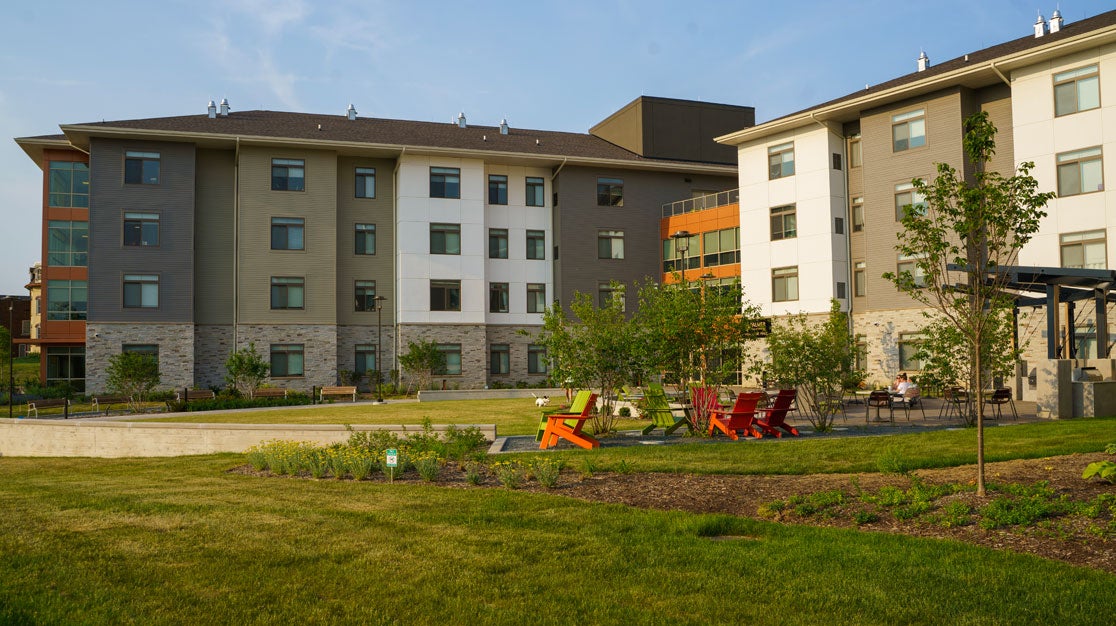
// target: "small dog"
[[541, 400]]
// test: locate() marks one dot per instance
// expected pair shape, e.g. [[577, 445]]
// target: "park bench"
[[106, 402], [270, 392], [337, 391], [33, 406]]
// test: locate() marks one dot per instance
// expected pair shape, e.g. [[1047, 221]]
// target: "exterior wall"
[[517, 270], [212, 347], [474, 350], [214, 232], [176, 351], [349, 336], [352, 267], [517, 345], [699, 223], [59, 332], [319, 342], [879, 331], [667, 128]]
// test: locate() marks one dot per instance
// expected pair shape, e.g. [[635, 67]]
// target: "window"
[[536, 297], [610, 191], [836, 161], [141, 229], [608, 294], [67, 243], [855, 157], [907, 199], [1085, 341], [679, 252], [1084, 250], [288, 175], [1080, 172], [722, 247], [286, 360], [910, 264], [445, 182], [451, 363], [287, 233], [498, 298], [839, 226], [784, 284], [536, 245], [909, 344], [445, 239], [497, 189], [365, 295], [69, 184], [497, 243], [66, 365], [141, 168], [364, 239], [67, 300], [536, 359], [287, 292], [780, 160], [841, 290], [857, 214], [860, 355], [445, 295], [784, 222], [499, 358], [535, 190], [610, 244], [908, 130], [365, 359], [860, 275], [141, 291], [149, 349], [365, 182], [1076, 90]]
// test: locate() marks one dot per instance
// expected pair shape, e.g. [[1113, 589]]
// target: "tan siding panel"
[[213, 224], [378, 267]]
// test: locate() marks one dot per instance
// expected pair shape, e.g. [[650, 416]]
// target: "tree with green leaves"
[[132, 375], [246, 370], [977, 221], [422, 360]]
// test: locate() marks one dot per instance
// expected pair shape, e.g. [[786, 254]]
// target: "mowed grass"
[[24, 367], [160, 541]]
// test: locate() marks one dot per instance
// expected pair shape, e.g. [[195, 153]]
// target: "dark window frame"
[[499, 298], [362, 234], [777, 165], [536, 245], [362, 176], [784, 274], [498, 189], [445, 294], [498, 243], [535, 191], [499, 359], [607, 238], [282, 287], [902, 124], [442, 235], [536, 297], [281, 170], [131, 282], [780, 215], [445, 182], [282, 229], [285, 351], [610, 191], [1074, 78], [136, 229], [364, 296], [142, 167]]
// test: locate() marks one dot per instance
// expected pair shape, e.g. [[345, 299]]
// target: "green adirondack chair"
[[577, 406], [659, 411]]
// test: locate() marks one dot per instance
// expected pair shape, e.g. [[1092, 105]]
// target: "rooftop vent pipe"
[[504, 126], [224, 107], [351, 112], [212, 110], [1055, 21], [923, 61], [1040, 27], [461, 120]]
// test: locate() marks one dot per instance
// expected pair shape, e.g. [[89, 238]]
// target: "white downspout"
[[236, 245]]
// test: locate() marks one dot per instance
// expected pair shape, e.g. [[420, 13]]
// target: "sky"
[[552, 65]]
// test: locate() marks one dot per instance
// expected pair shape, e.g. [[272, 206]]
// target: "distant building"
[[15, 316]]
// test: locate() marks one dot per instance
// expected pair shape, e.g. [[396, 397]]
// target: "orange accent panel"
[[699, 222]]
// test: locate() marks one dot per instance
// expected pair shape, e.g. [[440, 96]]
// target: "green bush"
[[227, 401]]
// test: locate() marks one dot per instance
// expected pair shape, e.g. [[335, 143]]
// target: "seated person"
[[902, 383]]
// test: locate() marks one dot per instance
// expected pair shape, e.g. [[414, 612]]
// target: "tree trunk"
[[979, 419]]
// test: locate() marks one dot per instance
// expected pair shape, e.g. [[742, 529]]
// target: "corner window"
[[365, 295], [536, 359], [1076, 90], [722, 247], [860, 276], [445, 182], [445, 239], [288, 175], [451, 359], [784, 284], [610, 191], [498, 297], [365, 182], [287, 292], [855, 156], [497, 189], [445, 295], [857, 211], [141, 229], [69, 184], [287, 233], [909, 344], [1084, 250], [784, 222], [908, 130], [909, 264], [497, 243], [141, 168], [141, 291], [499, 358], [364, 239], [536, 297], [536, 188], [780, 160], [67, 300], [536, 245], [287, 360], [67, 243], [907, 199], [364, 359], [1080, 172], [610, 244]]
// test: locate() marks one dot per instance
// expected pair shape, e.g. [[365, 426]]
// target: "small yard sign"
[[392, 457]]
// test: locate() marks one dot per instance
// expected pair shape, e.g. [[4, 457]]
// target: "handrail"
[[701, 203]]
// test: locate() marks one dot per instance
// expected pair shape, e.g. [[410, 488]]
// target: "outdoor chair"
[[910, 399], [577, 406], [833, 404], [568, 426], [657, 409], [953, 400], [999, 398], [741, 417], [878, 399], [775, 416]]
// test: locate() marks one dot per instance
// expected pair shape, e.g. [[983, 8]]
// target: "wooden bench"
[[196, 394], [337, 391], [33, 406], [108, 401], [270, 392]]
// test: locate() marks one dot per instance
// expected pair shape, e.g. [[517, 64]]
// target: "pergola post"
[[1100, 299], [1052, 321]]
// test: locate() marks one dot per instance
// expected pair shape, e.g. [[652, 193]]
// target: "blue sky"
[[548, 65]]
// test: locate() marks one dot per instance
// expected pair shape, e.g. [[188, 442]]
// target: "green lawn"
[[98, 541], [25, 367]]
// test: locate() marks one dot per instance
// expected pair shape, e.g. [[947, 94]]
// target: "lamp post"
[[11, 363], [379, 300], [682, 245]]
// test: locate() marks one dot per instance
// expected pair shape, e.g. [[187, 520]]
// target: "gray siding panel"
[[214, 227]]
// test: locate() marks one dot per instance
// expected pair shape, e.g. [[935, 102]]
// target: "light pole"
[[682, 245], [11, 363], [379, 300]]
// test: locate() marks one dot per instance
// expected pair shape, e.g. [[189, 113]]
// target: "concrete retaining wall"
[[556, 395], [33, 437]]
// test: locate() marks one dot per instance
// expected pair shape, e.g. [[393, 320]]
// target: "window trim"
[[286, 224], [781, 213], [447, 285], [141, 280], [1075, 77], [912, 339], [369, 351], [1082, 239], [780, 151], [503, 291], [450, 348], [285, 285], [786, 274], [533, 289], [540, 235], [141, 218], [287, 165], [71, 312], [358, 175], [1077, 158], [535, 182], [605, 234], [70, 194], [906, 120], [908, 188], [362, 233], [610, 191], [856, 148], [495, 179], [860, 279], [539, 352], [498, 236], [143, 157], [901, 264], [446, 229], [364, 284], [856, 213], [286, 349], [505, 363], [72, 256], [445, 173]]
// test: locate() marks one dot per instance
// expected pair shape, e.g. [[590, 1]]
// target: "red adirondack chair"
[[742, 416], [775, 416], [568, 426]]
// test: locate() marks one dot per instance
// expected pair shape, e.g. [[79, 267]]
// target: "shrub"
[[474, 472], [891, 461], [1104, 470], [625, 411], [546, 471], [865, 517], [511, 474], [428, 464]]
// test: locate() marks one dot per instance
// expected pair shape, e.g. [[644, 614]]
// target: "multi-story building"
[[34, 289], [329, 241], [15, 312], [821, 190]]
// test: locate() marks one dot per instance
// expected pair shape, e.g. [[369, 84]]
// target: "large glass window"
[[365, 359], [67, 300], [498, 298], [536, 244], [536, 359], [67, 243], [364, 239], [451, 363], [499, 358], [784, 222], [445, 182], [908, 130], [497, 243], [288, 233], [287, 292], [722, 247], [780, 160], [784, 284], [445, 295], [66, 366], [1076, 90], [907, 199], [141, 291], [909, 344], [682, 251], [536, 188], [141, 168], [69, 184], [909, 264], [141, 229], [536, 297], [365, 295], [445, 239], [287, 360], [288, 175], [1080, 172], [610, 244], [497, 189], [365, 182], [1084, 250], [610, 191]]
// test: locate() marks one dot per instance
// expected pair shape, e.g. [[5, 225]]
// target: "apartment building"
[[331, 241], [841, 172]]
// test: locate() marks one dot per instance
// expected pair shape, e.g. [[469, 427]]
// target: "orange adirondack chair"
[[741, 417], [775, 416], [568, 426]]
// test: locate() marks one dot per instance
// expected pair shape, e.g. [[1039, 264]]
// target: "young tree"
[[245, 370], [421, 361], [133, 375], [978, 222], [5, 347]]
